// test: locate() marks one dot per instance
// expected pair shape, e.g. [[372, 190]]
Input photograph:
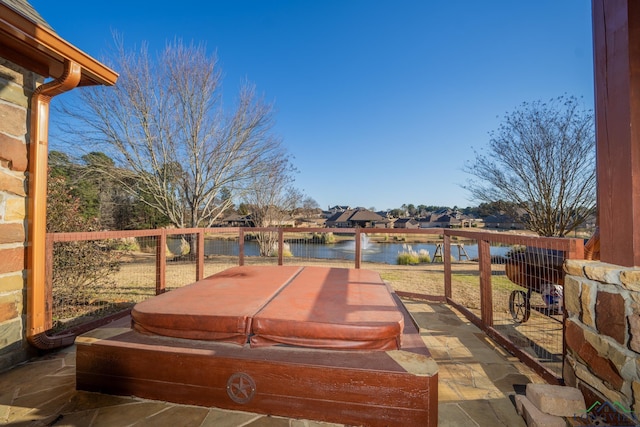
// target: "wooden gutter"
[[41, 50]]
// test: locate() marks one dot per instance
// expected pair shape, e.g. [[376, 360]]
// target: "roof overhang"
[[42, 51]]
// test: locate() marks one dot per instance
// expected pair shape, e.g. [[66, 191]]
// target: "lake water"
[[372, 252]]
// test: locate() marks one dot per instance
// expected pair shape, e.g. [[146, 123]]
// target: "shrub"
[[323, 238], [149, 246], [328, 238], [410, 257], [406, 258], [185, 247], [126, 244], [82, 270], [286, 251], [424, 256]]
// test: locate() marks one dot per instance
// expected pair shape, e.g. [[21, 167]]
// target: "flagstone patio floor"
[[477, 384]]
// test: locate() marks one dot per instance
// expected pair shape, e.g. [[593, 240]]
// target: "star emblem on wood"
[[241, 387]]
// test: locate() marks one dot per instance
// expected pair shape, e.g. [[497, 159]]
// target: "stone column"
[[16, 87], [602, 332]]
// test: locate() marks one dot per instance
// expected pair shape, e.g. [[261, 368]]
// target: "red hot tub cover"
[[317, 307], [333, 308], [219, 307]]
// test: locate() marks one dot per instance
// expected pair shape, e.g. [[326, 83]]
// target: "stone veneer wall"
[[602, 332], [16, 87]]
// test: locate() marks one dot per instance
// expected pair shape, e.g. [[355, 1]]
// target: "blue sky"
[[380, 102]]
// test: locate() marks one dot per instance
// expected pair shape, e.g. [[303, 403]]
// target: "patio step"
[[547, 405], [534, 417]]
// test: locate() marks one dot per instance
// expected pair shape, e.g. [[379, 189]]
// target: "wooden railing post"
[[241, 247], [447, 265], [576, 249], [161, 262], [200, 259], [358, 248], [486, 297], [48, 277], [280, 245]]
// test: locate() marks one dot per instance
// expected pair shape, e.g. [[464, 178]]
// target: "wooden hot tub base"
[[318, 343], [373, 388]]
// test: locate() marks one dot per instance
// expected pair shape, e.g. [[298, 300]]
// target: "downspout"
[[37, 320]]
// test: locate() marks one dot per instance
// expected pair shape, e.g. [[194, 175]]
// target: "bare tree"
[[309, 207], [165, 126], [272, 199], [542, 160]]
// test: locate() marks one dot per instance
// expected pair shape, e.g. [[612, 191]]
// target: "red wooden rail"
[[572, 248]]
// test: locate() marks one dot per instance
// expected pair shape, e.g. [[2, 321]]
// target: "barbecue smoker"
[[541, 270]]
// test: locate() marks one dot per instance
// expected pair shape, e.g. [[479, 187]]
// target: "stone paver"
[[493, 412], [222, 418], [537, 418], [477, 378], [477, 384], [452, 415], [176, 416], [556, 400]]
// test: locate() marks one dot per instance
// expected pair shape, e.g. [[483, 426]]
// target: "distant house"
[[310, 222], [408, 223], [339, 220], [503, 221], [385, 223], [281, 222], [354, 218], [439, 220], [446, 219], [236, 220], [335, 209]]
